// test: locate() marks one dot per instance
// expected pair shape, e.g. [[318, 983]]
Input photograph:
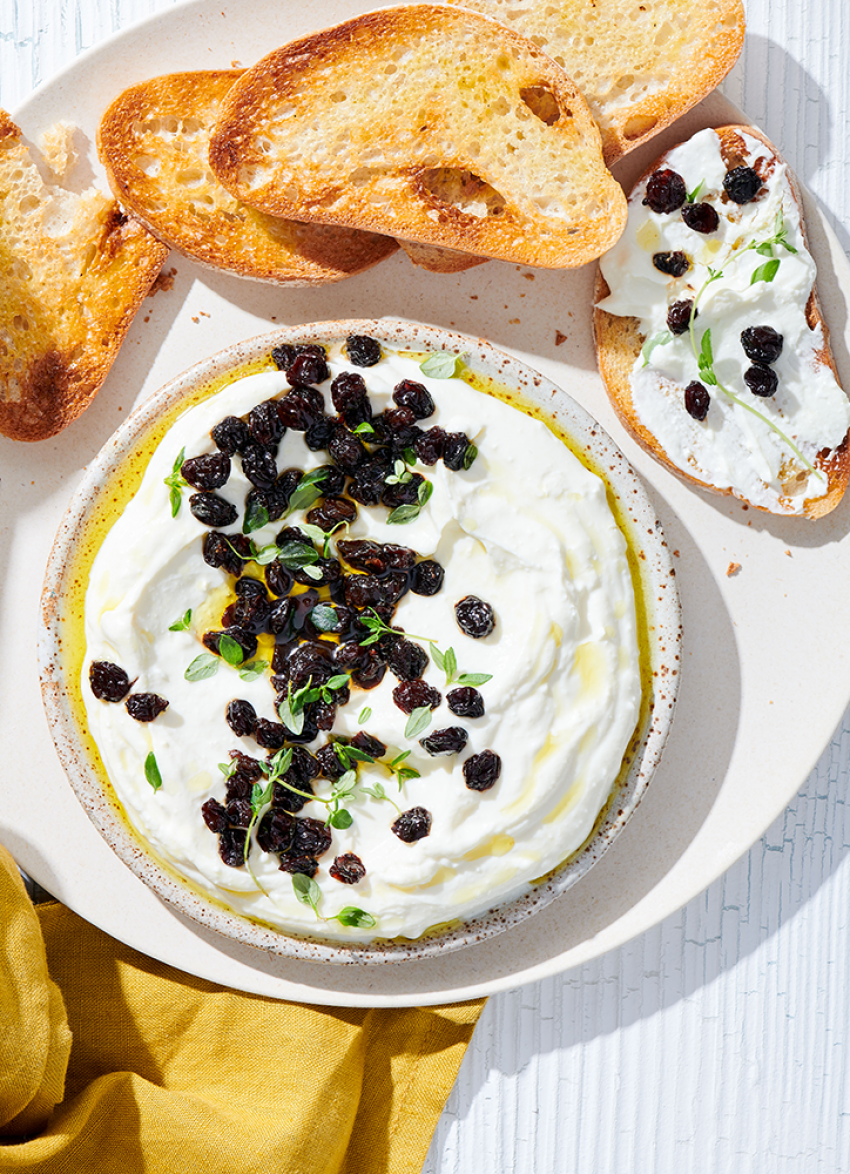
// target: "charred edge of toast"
[[59, 383]]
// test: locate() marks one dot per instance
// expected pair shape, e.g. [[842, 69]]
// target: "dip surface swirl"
[[528, 529]]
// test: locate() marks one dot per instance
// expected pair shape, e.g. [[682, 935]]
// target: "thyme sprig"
[[295, 556], [323, 537], [402, 773], [152, 773], [307, 491], [342, 789], [349, 756], [378, 792], [704, 354], [176, 483], [291, 708], [261, 798], [447, 662], [377, 629], [400, 474], [309, 893], [409, 512], [206, 665]]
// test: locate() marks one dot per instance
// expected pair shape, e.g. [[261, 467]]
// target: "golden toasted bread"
[[428, 123], [639, 65], [154, 143], [753, 241], [75, 270]]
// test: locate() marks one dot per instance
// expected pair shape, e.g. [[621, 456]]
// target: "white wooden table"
[[717, 1042]]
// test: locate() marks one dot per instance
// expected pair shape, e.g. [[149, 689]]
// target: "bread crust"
[[75, 271], [618, 343], [437, 260], [154, 143], [287, 144]]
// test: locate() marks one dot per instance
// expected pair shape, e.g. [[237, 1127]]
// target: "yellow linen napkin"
[[152, 1070]]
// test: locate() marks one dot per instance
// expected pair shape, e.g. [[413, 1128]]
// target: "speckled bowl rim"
[[663, 619]]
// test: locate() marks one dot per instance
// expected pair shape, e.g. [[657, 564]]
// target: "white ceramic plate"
[[765, 677]]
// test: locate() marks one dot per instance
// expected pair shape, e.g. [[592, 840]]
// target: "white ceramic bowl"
[[659, 617]]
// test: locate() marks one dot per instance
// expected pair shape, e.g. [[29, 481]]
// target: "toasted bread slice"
[[75, 270], [759, 250], [154, 143], [431, 124], [639, 65]]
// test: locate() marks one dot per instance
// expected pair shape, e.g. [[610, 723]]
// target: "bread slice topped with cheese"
[[708, 331], [154, 143], [75, 270], [428, 123]]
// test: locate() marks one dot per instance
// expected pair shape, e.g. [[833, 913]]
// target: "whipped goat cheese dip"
[[731, 448], [527, 528]]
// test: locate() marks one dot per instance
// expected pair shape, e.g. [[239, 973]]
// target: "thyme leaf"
[[693, 196], [202, 667], [307, 891], [323, 617], [419, 720], [307, 491], [353, 916], [660, 339], [765, 272], [253, 670], [256, 516], [229, 651], [439, 365], [176, 483], [152, 771]]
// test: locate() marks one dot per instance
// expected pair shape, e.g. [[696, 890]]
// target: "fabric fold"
[[169, 1072]]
